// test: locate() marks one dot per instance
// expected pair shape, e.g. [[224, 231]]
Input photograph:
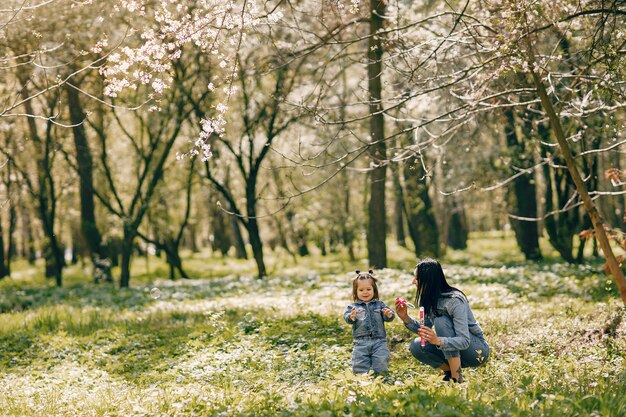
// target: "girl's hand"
[[353, 314], [401, 310], [388, 313], [429, 335]]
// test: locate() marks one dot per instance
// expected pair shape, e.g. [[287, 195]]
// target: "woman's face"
[[414, 282]]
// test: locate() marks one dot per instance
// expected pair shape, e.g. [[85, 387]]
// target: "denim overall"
[[370, 339]]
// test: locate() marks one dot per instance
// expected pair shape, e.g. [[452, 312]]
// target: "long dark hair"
[[431, 282]]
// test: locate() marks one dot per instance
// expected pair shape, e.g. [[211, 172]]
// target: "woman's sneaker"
[[458, 380], [447, 376]]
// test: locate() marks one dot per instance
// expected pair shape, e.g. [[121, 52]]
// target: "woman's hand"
[[429, 335], [401, 310]]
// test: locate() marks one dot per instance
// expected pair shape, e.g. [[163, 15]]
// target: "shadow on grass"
[[16, 298], [18, 350]]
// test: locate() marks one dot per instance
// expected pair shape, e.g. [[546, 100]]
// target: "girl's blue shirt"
[[370, 321]]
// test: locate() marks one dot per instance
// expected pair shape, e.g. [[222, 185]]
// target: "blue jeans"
[[475, 355], [370, 353]]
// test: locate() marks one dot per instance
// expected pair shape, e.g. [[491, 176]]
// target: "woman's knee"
[[426, 354], [416, 349], [475, 356]]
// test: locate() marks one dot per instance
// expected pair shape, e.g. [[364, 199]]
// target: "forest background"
[[262, 150]]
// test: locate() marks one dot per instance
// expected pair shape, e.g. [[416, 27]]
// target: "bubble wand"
[[422, 341], [402, 302]]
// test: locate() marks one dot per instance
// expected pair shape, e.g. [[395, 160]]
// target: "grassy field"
[[227, 344]]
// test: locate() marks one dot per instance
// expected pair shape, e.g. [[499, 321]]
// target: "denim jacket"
[[369, 320], [454, 305]]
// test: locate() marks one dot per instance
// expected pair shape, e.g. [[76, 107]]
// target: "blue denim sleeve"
[[346, 315], [458, 312], [413, 325], [393, 313]]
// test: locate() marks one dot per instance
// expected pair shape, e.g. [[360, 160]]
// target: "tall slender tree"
[[84, 165], [377, 222], [522, 195]]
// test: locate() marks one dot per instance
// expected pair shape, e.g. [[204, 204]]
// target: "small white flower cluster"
[[100, 46], [207, 25], [354, 8], [354, 5]]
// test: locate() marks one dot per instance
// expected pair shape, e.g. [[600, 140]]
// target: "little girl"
[[367, 316]]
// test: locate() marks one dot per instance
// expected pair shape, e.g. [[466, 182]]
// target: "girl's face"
[[365, 290]]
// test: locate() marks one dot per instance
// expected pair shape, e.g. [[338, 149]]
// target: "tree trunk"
[[54, 258], [346, 230], [170, 262], [422, 224], [377, 225], [398, 209], [28, 241], [6, 182], [458, 230], [590, 171], [240, 245], [303, 249], [127, 253], [252, 225], [77, 243], [526, 232], [192, 241], [89, 228], [171, 249], [178, 263], [3, 269], [321, 243], [561, 226], [11, 245], [583, 242], [522, 196], [45, 195], [53, 255], [592, 211], [221, 237], [257, 245]]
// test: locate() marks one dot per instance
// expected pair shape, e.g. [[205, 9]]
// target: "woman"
[[453, 337]]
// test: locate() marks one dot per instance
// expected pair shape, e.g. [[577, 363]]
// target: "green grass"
[[228, 344]]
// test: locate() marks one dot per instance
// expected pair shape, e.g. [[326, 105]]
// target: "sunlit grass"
[[226, 343]]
